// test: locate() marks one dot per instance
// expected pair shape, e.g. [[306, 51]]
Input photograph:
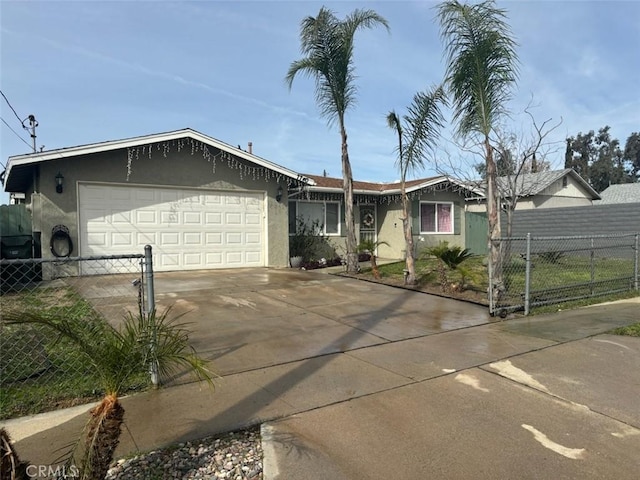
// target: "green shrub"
[[309, 242], [451, 256]]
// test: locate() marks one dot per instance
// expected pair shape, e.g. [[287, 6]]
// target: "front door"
[[368, 223]]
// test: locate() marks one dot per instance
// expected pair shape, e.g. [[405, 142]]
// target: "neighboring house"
[[623, 193], [552, 189], [438, 206], [199, 202]]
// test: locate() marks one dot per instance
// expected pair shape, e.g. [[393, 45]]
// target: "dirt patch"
[[468, 295]]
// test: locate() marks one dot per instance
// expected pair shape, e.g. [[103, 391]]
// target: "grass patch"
[[40, 370], [630, 330], [585, 302], [472, 272], [567, 276]]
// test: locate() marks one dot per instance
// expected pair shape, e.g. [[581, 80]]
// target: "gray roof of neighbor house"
[[18, 173], [623, 193], [530, 184]]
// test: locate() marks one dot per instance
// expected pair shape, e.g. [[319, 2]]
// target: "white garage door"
[[188, 229]]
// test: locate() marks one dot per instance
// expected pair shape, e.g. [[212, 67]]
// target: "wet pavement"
[[354, 379]]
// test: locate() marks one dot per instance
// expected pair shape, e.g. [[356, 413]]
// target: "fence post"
[[148, 261], [593, 267], [151, 312], [527, 277], [635, 267]]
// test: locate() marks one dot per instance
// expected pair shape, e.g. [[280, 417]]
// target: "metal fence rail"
[[39, 370], [548, 270]]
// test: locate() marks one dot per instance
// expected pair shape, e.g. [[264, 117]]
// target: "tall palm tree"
[[482, 70], [117, 356], [417, 133], [327, 46]]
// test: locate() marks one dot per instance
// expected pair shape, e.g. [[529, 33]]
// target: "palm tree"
[[417, 132], [371, 246], [327, 45], [118, 356], [482, 69]]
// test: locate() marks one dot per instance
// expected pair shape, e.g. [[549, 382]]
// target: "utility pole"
[[33, 123]]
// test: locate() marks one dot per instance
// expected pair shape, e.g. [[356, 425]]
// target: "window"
[[326, 215], [436, 217]]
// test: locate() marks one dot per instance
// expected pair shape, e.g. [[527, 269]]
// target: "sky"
[[92, 71]]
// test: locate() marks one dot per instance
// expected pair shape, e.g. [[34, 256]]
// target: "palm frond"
[[482, 64], [327, 46], [424, 121]]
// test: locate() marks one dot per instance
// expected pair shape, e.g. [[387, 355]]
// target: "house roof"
[[623, 193], [332, 184], [530, 184], [18, 173]]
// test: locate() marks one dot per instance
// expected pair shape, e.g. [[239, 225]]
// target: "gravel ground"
[[234, 456]]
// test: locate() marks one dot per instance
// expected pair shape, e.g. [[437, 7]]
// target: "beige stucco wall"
[[554, 196], [177, 169], [391, 230]]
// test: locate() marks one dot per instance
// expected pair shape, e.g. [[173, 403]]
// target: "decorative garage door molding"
[[188, 229]]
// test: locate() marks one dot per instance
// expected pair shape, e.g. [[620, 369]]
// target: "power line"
[[16, 133], [12, 109]]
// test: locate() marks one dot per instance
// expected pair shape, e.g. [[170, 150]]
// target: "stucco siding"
[[177, 169], [391, 229]]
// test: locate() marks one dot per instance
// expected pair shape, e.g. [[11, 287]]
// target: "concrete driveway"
[[352, 380], [248, 319]]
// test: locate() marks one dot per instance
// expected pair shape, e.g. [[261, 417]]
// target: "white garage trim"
[[188, 228]]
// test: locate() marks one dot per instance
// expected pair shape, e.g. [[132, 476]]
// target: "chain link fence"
[[548, 270], [40, 370]]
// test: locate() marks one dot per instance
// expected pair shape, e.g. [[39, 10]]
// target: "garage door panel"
[[253, 258], [233, 218], [120, 217], [168, 261], [232, 199], [252, 219], [144, 238], [98, 239], [233, 238], [192, 218], [146, 217], [193, 260], [192, 238], [188, 229], [169, 239], [214, 239], [122, 239], [253, 239], [168, 218], [234, 258], [145, 195]]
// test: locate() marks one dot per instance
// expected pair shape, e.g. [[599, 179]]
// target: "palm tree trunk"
[[493, 215], [374, 267], [444, 279], [103, 432], [408, 237], [347, 178]]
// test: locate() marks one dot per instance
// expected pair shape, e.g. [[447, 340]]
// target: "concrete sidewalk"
[[405, 395]]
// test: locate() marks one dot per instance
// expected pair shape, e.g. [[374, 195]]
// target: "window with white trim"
[[436, 217], [326, 215]]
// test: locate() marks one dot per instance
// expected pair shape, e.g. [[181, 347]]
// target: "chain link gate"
[[548, 270], [40, 370]]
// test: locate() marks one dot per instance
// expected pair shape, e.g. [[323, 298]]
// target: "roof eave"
[[33, 158]]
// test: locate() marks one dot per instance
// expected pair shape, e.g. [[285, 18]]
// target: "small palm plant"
[[371, 246], [118, 356], [448, 257]]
